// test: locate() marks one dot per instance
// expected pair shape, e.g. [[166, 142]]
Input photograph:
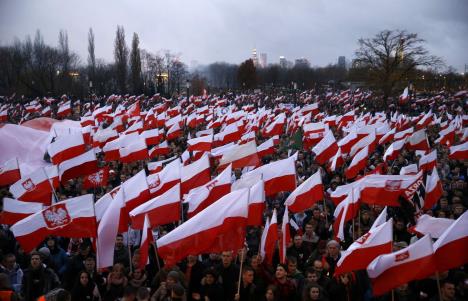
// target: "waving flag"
[[428, 162], [81, 165], [306, 195], [15, 210], [66, 147], [9, 172], [434, 190], [35, 187], [268, 245], [97, 179], [325, 149], [459, 152]]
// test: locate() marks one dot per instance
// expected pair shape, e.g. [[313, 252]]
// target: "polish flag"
[[201, 197], [285, 237], [66, 147], [85, 121], [459, 152], [81, 165], [256, 204], [368, 141], [174, 132], [70, 218], [276, 127], [326, 148], [378, 241], [306, 195], [425, 120], [97, 179], [414, 262], [200, 144], [10, 172], [411, 169], [146, 240], [164, 180], [389, 136], [221, 226], [347, 142], [434, 190], [278, 176], [160, 150], [135, 151], [107, 231], [358, 163], [231, 133], [433, 226], [266, 148], [151, 137], [135, 193], [336, 161], [269, 238], [195, 174], [240, 156], [446, 136], [450, 248], [103, 203], [4, 115], [344, 212], [111, 148], [161, 210], [418, 141], [394, 150], [428, 162], [64, 110], [16, 210], [35, 187], [155, 167], [136, 127]]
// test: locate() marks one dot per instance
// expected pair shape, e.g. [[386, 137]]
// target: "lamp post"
[[187, 85]]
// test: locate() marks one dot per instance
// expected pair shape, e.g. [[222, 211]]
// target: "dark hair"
[[306, 291], [247, 268], [143, 293], [292, 259], [274, 290], [210, 271]]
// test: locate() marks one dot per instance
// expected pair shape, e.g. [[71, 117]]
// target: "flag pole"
[[51, 185], [156, 254], [129, 249], [240, 270], [438, 285]]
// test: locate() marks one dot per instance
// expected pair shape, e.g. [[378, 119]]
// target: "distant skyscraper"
[[302, 62], [282, 62], [263, 60], [342, 62], [255, 57]]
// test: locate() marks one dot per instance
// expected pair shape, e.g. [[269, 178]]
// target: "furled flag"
[[146, 240], [434, 190], [285, 236], [270, 239]]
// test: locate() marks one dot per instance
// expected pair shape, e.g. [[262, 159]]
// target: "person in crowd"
[[247, 289], [58, 256], [7, 293], [76, 264], [313, 292], [286, 287], [210, 288], [164, 290], [85, 289], [121, 254], [228, 272], [116, 282], [12, 269], [37, 279]]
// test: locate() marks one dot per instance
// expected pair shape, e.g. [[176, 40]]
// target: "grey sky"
[[217, 30]]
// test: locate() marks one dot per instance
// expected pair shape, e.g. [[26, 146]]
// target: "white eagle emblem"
[[392, 185], [96, 178], [56, 216], [155, 183], [28, 185]]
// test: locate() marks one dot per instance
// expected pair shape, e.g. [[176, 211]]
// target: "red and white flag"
[[16, 210], [174, 132], [97, 179], [201, 197], [256, 204], [306, 195], [269, 238], [200, 144], [387, 137], [136, 192], [378, 241], [418, 141], [135, 151], [446, 136], [450, 248], [160, 150], [368, 141], [434, 190], [358, 163], [285, 236], [428, 162], [70, 218], [81, 165], [240, 156], [459, 152], [347, 142], [411, 263], [164, 180], [195, 174], [9, 172], [336, 161], [326, 148], [161, 210], [266, 148], [394, 150], [35, 187], [151, 137], [433, 226], [411, 169], [221, 226], [66, 147], [146, 240], [344, 212], [64, 109]]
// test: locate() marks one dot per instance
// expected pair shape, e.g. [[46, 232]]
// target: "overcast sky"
[[228, 30]]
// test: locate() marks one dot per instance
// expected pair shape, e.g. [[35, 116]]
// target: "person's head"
[[90, 264], [255, 261], [311, 275], [36, 260], [192, 259], [271, 293], [226, 257], [84, 278], [51, 243], [138, 274], [247, 275], [316, 213], [297, 241], [177, 292], [119, 241], [84, 249], [447, 289], [143, 294], [443, 203], [281, 272], [309, 229], [9, 261], [400, 225], [292, 265], [118, 269], [172, 278], [210, 276], [318, 267], [333, 248], [313, 292]]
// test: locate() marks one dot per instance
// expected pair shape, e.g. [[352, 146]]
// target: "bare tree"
[[135, 65], [391, 56], [121, 57], [91, 56]]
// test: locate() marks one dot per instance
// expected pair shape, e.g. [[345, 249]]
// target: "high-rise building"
[[342, 62], [255, 57], [283, 62], [263, 60], [302, 62]]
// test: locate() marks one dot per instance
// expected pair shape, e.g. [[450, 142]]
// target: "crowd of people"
[[65, 268]]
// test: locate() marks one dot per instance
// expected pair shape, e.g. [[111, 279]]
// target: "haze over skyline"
[[217, 30]]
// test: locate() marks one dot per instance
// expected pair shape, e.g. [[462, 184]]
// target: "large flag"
[[414, 262], [307, 194], [418, 141], [16, 210], [326, 148], [256, 204], [70, 218], [35, 187], [376, 242], [195, 174], [200, 144], [160, 210], [135, 151], [270, 239], [434, 190], [240, 156], [266, 148], [201, 197], [285, 236], [9, 172], [66, 147], [450, 250], [135, 192], [221, 226], [81, 165], [459, 152]]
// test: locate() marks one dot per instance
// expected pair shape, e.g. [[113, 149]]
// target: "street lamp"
[[187, 85]]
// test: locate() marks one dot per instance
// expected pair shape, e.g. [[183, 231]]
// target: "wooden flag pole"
[[156, 254], [240, 271]]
